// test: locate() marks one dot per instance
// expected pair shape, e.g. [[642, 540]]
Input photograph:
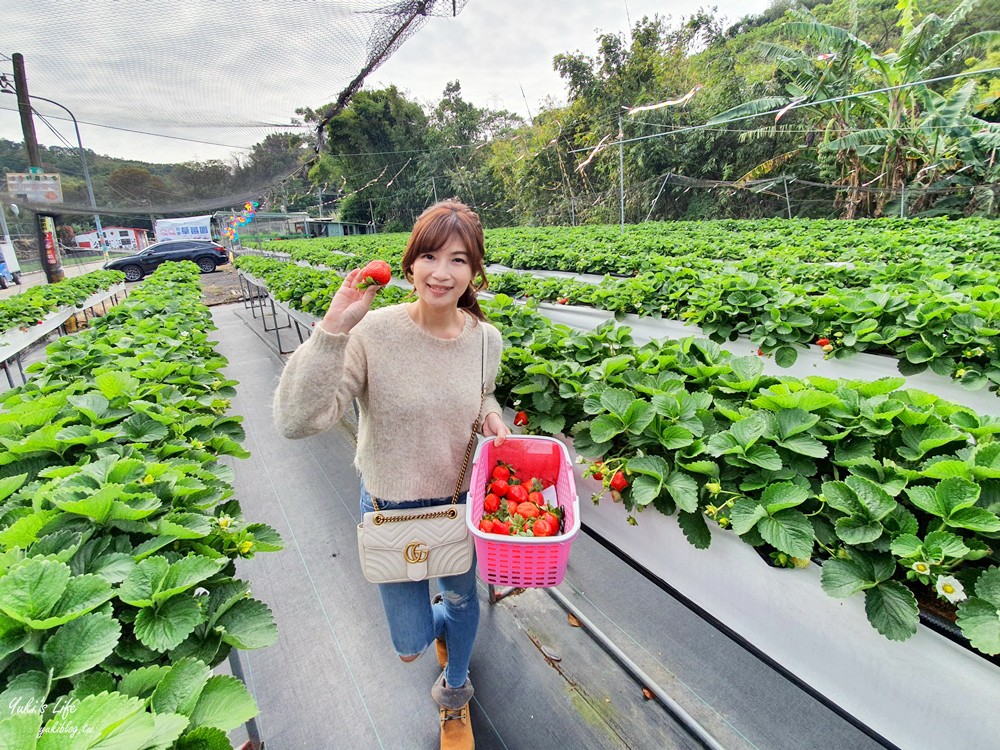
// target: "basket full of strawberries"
[[523, 511]]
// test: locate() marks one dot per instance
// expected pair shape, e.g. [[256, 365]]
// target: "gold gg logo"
[[415, 552]]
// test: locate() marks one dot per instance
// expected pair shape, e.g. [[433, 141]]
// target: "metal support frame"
[[496, 594], [254, 742], [256, 292]]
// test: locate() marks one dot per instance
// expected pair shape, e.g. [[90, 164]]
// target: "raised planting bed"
[[926, 692]]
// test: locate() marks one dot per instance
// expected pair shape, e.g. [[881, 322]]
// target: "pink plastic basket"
[[523, 561]]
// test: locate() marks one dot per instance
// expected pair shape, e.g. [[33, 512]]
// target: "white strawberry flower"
[[921, 567], [951, 589]]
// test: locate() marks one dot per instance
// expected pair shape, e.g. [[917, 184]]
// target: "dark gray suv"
[[204, 253]]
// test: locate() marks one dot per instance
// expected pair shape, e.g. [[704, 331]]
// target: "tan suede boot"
[[441, 648], [456, 726], [456, 729]]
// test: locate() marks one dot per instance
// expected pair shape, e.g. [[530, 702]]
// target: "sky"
[[217, 77]]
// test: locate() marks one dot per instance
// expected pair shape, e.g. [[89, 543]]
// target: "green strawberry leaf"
[[788, 531], [20, 731], [224, 703], [842, 578], [683, 489], [906, 545], [695, 529], [854, 530], [783, 495], [745, 515], [178, 690], [248, 624], [162, 627], [81, 644], [892, 610]]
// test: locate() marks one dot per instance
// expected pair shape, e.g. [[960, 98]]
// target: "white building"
[[115, 238]]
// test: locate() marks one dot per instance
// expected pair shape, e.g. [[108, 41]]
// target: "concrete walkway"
[[332, 680]]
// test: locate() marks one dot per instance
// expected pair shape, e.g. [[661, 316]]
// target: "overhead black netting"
[[195, 75]]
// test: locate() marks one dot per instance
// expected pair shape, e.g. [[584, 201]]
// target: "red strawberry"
[[542, 527], [511, 507], [517, 493], [491, 503], [499, 488], [822, 342], [501, 472], [563, 300], [528, 510], [618, 482], [537, 498], [376, 273], [553, 520], [501, 527], [521, 419], [486, 525]]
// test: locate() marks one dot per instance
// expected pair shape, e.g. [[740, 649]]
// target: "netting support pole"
[[659, 192], [788, 202], [621, 172]]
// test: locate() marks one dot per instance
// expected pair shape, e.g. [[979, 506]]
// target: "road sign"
[[36, 188]]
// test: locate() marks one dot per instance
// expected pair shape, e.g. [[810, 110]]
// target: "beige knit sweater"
[[417, 397]]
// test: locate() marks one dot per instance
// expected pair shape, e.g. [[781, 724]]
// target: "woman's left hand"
[[495, 428]]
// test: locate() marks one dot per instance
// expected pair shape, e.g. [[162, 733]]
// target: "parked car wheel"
[[207, 265], [3, 282], [132, 273]]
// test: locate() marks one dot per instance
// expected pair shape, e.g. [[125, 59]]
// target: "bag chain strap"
[[450, 513]]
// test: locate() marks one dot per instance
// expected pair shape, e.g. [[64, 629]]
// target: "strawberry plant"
[[36, 303], [119, 533], [885, 286], [870, 481]]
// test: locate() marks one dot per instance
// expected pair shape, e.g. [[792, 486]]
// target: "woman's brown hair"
[[432, 231]]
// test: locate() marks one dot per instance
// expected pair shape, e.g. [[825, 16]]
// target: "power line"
[[143, 132], [788, 108]]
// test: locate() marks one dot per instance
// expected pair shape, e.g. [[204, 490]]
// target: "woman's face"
[[441, 277]]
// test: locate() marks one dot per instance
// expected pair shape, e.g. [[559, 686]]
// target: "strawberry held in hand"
[[376, 273]]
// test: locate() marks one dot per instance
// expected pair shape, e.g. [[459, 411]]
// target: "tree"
[[209, 179], [371, 146], [136, 186], [905, 135]]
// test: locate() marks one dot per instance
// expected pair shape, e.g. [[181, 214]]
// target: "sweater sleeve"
[[320, 380], [494, 348]]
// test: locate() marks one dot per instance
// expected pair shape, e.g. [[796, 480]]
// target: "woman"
[[416, 371]]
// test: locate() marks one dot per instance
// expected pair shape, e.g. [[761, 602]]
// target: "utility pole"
[[86, 176], [45, 224], [319, 195]]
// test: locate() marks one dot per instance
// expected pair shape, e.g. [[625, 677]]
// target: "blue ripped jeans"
[[414, 622]]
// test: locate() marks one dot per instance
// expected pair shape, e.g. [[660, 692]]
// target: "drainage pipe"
[[696, 729]]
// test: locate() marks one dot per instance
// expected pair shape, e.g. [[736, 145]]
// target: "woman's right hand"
[[349, 305]]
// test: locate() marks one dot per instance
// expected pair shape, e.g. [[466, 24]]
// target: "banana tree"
[[903, 134]]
